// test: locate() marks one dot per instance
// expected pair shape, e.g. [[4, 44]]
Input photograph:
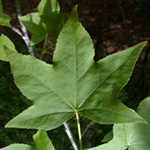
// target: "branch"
[[17, 31], [25, 35], [88, 126], [70, 136]]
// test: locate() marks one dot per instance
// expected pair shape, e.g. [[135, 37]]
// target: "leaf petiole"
[[79, 129]]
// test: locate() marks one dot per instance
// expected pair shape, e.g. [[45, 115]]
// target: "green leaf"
[[131, 136], [4, 18], [5, 42], [52, 20], [17, 147], [41, 142], [46, 7], [34, 25], [107, 137], [73, 82], [47, 20]]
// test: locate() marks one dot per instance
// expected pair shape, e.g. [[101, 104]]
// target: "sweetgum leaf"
[[17, 147], [34, 25], [46, 20], [46, 7], [4, 18], [41, 142], [73, 82], [131, 136], [5, 42], [107, 137], [53, 21]]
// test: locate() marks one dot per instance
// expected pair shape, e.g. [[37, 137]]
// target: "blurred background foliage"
[[113, 25]]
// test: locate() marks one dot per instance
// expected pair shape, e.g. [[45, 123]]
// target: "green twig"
[[79, 129], [88, 126], [45, 43]]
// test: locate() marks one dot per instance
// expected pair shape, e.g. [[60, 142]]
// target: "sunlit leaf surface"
[[73, 82], [131, 136]]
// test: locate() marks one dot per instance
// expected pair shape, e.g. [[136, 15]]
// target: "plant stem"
[[45, 43], [79, 129], [25, 35], [88, 126], [70, 136]]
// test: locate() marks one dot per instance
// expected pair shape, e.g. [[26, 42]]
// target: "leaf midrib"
[[93, 109], [50, 89], [65, 113], [75, 69], [104, 80]]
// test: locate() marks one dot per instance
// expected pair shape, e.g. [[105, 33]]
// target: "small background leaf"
[[17, 147], [108, 137], [52, 20], [4, 18], [46, 7], [5, 42], [34, 25], [131, 136], [41, 142]]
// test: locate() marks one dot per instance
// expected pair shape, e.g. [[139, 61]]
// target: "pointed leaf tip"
[[136, 135], [5, 42], [4, 18], [75, 8], [143, 44], [74, 13], [42, 141], [7, 51]]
